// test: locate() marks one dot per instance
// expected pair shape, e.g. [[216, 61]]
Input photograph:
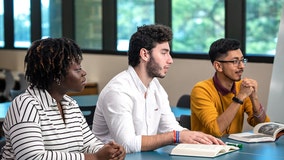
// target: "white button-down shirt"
[[126, 109]]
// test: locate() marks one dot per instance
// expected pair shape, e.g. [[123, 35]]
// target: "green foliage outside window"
[[130, 15], [196, 24], [262, 25]]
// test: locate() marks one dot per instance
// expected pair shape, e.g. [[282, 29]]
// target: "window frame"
[[234, 26]]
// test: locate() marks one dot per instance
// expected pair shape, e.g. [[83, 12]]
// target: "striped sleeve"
[[33, 131], [28, 143]]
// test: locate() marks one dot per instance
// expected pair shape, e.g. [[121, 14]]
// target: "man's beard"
[[153, 69]]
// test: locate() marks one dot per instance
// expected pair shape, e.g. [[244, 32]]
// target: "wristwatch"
[[237, 100]]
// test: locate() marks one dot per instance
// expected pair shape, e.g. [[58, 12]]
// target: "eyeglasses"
[[235, 62]]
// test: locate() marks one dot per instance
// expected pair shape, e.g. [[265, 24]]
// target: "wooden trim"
[[90, 88]]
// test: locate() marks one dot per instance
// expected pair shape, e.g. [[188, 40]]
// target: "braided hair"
[[48, 60]]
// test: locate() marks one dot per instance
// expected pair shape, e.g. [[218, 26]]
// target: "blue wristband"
[[177, 136]]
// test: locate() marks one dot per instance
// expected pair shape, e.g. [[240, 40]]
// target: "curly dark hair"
[[49, 59], [147, 36], [221, 47]]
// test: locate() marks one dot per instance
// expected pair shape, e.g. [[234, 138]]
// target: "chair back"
[[23, 82], [184, 101], [2, 144], [14, 93], [9, 83], [185, 121], [88, 112]]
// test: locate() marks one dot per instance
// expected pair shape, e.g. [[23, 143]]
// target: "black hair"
[[221, 47], [147, 36], [49, 59]]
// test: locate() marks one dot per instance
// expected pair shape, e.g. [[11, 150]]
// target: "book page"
[[251, 137], [201, 150], [269, 128]]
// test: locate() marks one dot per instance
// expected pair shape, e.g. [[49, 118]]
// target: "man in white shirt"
[[133, 108]]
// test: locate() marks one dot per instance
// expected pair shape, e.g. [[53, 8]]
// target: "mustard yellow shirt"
[[207, 104]]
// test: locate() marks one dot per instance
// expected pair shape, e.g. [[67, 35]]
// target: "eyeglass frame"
[[235, 62]]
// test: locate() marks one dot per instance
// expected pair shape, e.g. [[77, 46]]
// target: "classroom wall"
[[183, 74]]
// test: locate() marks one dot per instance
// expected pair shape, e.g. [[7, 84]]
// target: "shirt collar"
[[222, 89], [43, 97], [137, 80]]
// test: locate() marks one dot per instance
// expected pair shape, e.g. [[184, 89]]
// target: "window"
[[105, 27], [88, 27], [130, 15], [51, 21], [196, 24], [22, 30], [1, 24], [262, 25]]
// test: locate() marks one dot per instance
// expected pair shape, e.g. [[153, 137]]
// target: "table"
[[250, 151], [91, 100], [86, 100], [178, 111], [3, 110]]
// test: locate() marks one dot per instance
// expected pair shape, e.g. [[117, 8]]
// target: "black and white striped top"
[[34, 129]]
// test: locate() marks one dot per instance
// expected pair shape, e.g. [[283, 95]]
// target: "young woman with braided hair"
[[44, 122]]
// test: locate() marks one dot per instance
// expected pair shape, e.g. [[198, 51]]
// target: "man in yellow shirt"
[[219, 103]]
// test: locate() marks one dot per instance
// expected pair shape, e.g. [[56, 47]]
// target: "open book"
[[202, 150], [263, 132]]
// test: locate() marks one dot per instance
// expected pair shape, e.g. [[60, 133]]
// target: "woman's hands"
[[110, 151]]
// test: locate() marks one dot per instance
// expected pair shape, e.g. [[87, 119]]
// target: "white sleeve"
[[168, 120], [117, 110]]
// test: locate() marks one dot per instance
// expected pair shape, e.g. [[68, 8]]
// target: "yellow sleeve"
[[204, 108]]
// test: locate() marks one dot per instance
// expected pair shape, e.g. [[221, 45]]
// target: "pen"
[[234, 144]]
